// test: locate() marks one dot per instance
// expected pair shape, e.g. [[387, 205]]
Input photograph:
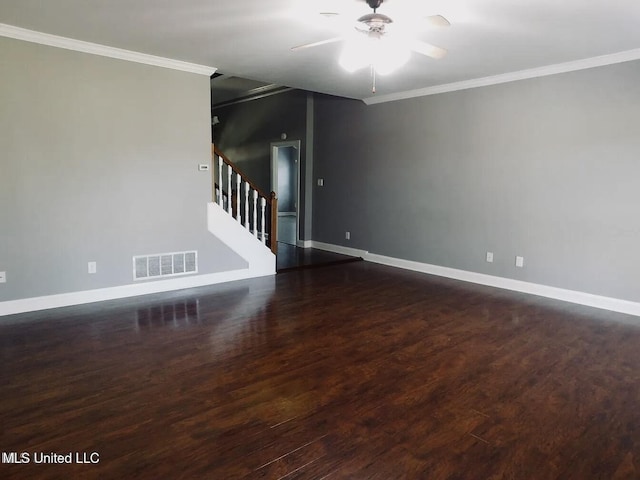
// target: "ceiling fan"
[[378, 44]]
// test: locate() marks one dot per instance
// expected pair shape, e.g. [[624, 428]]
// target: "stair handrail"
[[225, 159], [270, 200]]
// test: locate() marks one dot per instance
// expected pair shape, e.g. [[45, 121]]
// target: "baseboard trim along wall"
[[33, 304], [572, 296], [12, 307], [339, 249]]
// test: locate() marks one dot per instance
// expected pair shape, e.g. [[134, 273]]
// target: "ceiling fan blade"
[[437, 21], [427, 49], [316, 44]]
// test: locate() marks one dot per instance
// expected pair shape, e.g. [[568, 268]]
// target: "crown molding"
[[603, 60], [96, 49], [251, 97]]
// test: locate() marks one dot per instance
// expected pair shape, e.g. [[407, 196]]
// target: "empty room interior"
[[355, 239]]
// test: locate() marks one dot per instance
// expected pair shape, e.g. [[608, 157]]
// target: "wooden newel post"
[[273, 231]]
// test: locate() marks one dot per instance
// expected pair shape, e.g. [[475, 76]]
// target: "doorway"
[[285, 181]]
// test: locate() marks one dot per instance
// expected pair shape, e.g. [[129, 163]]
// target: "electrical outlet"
[[519, 262], [490, 257], [347, 235], [321, 182], [3, 277], [92, 267]]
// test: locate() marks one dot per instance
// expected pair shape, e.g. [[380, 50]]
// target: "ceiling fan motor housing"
[[374, 22], [375, 4]]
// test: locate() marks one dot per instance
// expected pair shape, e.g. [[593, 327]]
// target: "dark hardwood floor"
[[291, 257], [354, 371]]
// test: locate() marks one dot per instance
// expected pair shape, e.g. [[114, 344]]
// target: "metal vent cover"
[[165, 265]]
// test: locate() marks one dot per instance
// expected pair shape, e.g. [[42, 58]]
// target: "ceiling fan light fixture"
[[389, 57], [356, 54], [384, 55]]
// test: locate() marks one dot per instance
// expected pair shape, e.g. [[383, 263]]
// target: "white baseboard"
[[354, 252], [304, 243], [12, 307], [77, 298], [261, 262], [572, 296]]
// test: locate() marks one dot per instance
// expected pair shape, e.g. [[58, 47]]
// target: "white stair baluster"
[[246, 205], [220, 198], [230, 172], [238, 204], [263, 203], [255, 213]]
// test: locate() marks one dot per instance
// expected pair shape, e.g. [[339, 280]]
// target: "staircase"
[[243, 216]]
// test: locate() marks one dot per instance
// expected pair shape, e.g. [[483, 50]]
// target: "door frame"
[[274, 176]]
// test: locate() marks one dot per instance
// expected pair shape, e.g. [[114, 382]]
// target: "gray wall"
[[246, 131], [545, 168], [99, 163]]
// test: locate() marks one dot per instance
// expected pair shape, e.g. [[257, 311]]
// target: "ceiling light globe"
[[356, 54], [389, 57]]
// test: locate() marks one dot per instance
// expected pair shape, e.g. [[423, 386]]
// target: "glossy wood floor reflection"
[[354, 371], [291, 257]]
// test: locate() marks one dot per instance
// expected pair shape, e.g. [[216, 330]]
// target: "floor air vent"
[[164, 265]]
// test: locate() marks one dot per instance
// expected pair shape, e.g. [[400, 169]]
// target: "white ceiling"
[[253, 38]]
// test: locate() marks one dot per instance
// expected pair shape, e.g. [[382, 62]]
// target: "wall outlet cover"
[[489, 257], [519, 262], [3, 277]]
